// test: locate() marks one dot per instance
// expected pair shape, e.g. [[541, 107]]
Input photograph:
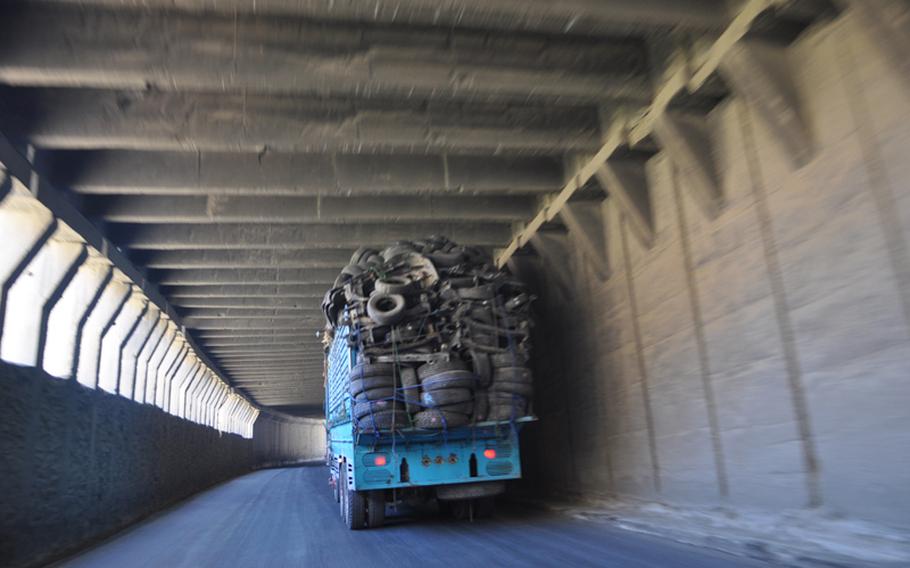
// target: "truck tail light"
[[489, 453], [379, 460]]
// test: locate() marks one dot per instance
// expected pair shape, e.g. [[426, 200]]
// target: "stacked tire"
[[442, 336], [510, 390], [446, 395], [375, 406]]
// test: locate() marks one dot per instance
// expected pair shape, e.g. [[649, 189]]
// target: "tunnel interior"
[[708, 199]]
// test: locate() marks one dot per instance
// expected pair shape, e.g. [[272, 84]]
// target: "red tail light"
[[489, 453], [379, 460]]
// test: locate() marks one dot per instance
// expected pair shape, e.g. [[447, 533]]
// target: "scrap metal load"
[[441, 336]]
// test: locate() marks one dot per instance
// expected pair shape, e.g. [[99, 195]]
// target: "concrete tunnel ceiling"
[[239, 151]]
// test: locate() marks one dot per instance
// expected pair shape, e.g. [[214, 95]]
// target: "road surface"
[[287, 518]]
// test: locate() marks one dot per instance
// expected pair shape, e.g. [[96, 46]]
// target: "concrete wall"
[[78, 464], [760, 359]]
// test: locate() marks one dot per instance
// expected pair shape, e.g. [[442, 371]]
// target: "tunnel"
[[708, 199]]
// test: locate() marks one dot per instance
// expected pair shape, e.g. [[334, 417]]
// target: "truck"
[[463, 468]]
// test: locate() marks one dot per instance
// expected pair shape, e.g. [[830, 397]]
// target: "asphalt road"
[[287, 517]]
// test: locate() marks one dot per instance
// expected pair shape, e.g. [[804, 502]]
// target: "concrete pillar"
[[38, 284], [114, 337], [69, 313], [109, 304]]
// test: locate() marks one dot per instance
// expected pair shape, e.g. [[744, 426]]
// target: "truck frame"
[[463, 468]]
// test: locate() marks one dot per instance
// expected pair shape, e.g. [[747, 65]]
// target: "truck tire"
[[355, 509], [512, 375], [437, 367], [375, 509], [386, 309], [522, 389], [384, 420], [362, 409], [506, 398], [502, 413], [381, 393], [508, 359], [483, 369], [341, 495], [395, 285], [442, 397], [410, 389], [370, 383], [465, 408], [481, 405], [435, 419], [449, 380], [364, 370]]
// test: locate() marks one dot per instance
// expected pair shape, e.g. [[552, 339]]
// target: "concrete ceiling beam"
[[253, 323], [314, 312], [566, 16], [272, 173], [245, 236], [296, 291], [241, 302], [284, 209], [155, 120], [215, 276], [87, 48], [171, 259]]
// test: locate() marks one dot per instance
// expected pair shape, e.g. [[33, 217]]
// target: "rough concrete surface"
[[79, 464], [287, 517], [755, 361]]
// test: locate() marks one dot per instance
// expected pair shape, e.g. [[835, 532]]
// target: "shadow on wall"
[[79, 464], [755, 358]]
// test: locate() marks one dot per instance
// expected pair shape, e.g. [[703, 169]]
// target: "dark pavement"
[[287, 517]]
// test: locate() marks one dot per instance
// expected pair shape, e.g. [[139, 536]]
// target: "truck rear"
[[427, 385]]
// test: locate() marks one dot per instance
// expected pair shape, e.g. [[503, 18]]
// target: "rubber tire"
[[364, 370], [508, 359], [504, 413], [466, 408], [355, 509], [449, 380], [410, 389], [434, 419], [360, 385], [483, 368], [352, 270], [388, 316], [522, 389], [382, 421], [374, 407], [336, 489], [360, 254], [481, 405], [342, 491], [375, 509], [394, 285], [512, 375], [381, 393], [445, 259], [437, 367], [443, 397]]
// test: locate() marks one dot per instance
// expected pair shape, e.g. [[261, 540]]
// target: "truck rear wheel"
[[354, 507], [375, 509]]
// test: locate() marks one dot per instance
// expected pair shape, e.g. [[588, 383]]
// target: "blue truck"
[[463, 468]]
